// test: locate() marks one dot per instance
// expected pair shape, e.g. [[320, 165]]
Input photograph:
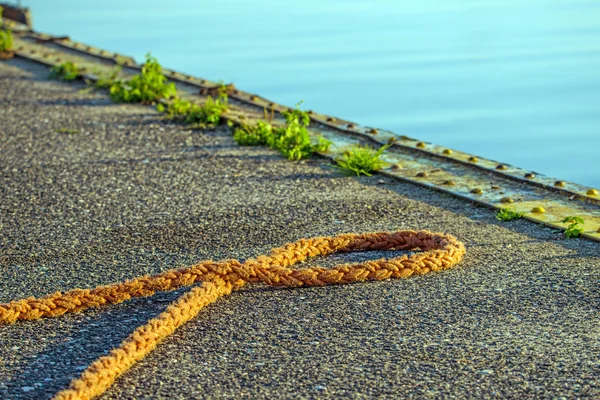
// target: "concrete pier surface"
[[94, 192]]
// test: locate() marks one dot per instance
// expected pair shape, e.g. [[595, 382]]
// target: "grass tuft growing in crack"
[[67, 71], [575, 228], [507, 214], [206, 115], [362, 160], [147, 87], [6, 37], [257, 135], [292, 140]]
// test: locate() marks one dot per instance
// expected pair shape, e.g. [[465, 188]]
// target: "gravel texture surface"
[[122, 193]]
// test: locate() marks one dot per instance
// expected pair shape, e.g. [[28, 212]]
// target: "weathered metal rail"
[[477, 179]]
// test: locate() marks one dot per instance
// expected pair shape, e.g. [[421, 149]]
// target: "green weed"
[[6, 37], [507, 214], [67, 71], [253, 135], [147, 87], [575, 228], [176, 109], [322, 144], [362, 159], [6, 40], [293, 140], [67, 131], [208, 114]]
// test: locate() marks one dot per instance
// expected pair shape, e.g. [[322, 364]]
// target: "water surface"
[[511, 80]]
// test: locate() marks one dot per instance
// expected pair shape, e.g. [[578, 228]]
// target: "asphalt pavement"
[[94, 192]]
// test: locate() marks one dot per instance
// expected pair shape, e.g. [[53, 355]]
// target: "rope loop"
[[438, 252]]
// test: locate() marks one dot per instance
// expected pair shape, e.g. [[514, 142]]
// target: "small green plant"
[[507, 214], [322, 144], [149, 86], [208, 114], [178, 108], [256, 135], [362, 159], [67, 131], [6, 40], [293, 140], [6, 37], [67, 71], [575, 228]]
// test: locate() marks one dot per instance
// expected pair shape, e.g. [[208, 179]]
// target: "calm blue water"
[[511, 80]]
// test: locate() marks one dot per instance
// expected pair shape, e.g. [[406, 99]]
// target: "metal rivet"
[[473, 159], [449, 183], [538, 210], [397, 166], [477, 191], [420, 145], [330, 119], [592, 192], [350, 126], [447, 152], [559, 183], [422, 175], [507, 200], [529, 175], [373, 131], [501, 167]]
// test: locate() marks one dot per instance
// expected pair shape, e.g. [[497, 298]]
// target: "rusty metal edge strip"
[[529, 215], [252, 100], [570, 188], [114, 58], [582, 192]]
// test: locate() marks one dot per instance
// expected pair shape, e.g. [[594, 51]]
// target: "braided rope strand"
[[439, 252], [101, 374]]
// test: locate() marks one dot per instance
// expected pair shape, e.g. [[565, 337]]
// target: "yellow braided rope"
[[220, 278]]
